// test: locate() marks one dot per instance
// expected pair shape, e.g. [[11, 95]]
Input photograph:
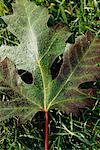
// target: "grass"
[[78, 15], [66, 132]]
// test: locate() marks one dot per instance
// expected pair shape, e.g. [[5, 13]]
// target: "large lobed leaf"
[[39, 47]]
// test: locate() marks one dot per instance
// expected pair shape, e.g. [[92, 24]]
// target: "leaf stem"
[[44, 86], [46, 130]]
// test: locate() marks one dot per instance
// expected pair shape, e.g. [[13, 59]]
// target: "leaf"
[[38, 46]]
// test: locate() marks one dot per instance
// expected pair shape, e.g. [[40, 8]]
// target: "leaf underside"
[[39, 46]]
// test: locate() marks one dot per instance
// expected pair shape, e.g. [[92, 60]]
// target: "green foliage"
[[19, 137], [3, 9], [77, 133], [78, 15]]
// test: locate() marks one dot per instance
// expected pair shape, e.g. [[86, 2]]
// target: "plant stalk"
[[46, 130]]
